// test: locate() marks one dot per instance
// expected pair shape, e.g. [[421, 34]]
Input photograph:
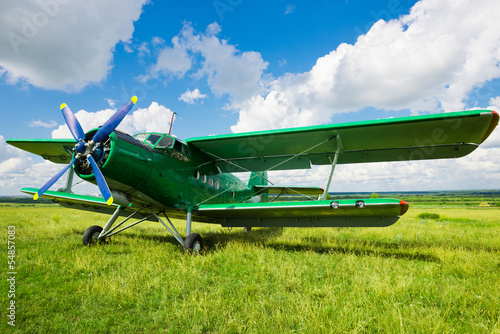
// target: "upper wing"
[[55, 150], [342, 213], [437, 136]]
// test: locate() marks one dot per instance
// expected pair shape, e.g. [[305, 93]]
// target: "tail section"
[[259, 179]]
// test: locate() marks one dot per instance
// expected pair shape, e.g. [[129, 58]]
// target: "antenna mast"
[[171, 122]]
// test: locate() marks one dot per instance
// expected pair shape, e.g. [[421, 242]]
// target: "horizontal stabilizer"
[[289, 190]]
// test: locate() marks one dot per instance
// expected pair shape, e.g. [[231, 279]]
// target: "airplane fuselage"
[[173, 175]]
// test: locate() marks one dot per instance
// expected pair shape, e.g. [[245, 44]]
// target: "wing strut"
[[334, 163], [69, 182]]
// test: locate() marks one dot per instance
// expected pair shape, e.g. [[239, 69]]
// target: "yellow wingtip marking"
[[63, 105], [110, 201], [35, 196], [134, 99]]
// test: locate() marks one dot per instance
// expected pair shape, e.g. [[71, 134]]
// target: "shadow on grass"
[[406, 249], [217, 240], [211, 240], [355, 250]]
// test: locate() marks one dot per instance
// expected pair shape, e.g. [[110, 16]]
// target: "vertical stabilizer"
[[259, 179]]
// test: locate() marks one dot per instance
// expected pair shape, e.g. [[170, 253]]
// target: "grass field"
[[420, 275]]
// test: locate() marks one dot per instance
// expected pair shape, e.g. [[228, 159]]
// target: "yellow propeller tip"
[[110, 201], [35, 196], [134, 99], [63, 105]]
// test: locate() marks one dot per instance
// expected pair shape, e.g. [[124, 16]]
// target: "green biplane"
[[148, 175]]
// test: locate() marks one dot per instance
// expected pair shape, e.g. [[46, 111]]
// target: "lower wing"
[[342, 213]]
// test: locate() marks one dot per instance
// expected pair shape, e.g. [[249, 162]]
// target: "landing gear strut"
[[95, 234]]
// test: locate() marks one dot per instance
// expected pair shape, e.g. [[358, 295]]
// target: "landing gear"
[[95, 234], [91, 235], [193, 243]]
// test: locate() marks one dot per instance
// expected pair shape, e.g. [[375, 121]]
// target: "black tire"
[[247, 229], [90, 235], [193, 243]]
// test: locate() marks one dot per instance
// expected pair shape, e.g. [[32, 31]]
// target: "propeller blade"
[[101, 182], [52, 181], [113, 122], [73, 124]]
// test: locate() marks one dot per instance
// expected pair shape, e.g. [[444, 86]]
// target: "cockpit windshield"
[[152, 139], [167, 144]]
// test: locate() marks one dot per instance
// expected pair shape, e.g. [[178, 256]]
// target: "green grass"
[[421, 275]]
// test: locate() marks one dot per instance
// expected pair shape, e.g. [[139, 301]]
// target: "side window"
[[178, 146], [174, 148]]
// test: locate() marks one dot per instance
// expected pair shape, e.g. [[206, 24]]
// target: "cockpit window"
[[152, 139], [178, 146], [165, 142], [180, 151]]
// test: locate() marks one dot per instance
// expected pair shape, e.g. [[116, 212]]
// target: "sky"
[[237, 65]]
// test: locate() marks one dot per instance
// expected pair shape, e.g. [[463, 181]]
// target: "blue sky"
[[236, 65]]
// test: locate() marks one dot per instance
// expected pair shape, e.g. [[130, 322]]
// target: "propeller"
[[85, 149]]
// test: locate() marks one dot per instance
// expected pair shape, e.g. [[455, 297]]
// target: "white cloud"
[[111, 103], [227, 70], [173, 60], [190, 97], [428, 60], [154, 118], [127, 47], [157, 41], [39, 123], [13, 165], [289, 9], [60, 44]]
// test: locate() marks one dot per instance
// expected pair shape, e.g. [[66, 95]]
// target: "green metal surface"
[[58, 151], [372, 212]]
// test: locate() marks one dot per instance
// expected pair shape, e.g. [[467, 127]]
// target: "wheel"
[[91, 234], [247, 229], [193, 243]]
